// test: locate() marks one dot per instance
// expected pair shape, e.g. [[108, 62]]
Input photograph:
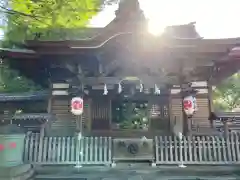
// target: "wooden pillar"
[[49, 108], [171, 119], [186, 120], [226, 128], [210, 102], [86, 119], [110, 113], [89, 113], [210, 98], [176, 110], [149, 108]]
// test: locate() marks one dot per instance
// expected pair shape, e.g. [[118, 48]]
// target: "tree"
[[50, 19], [227, 94], [11, 81]]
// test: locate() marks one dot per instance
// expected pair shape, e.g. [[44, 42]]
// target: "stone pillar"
[[11, 152]]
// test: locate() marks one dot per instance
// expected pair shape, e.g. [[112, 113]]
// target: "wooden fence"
[[198, 150], [213, 150], [67, 150]]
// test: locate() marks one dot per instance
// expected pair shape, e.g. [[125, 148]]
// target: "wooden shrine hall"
[[130, 80]]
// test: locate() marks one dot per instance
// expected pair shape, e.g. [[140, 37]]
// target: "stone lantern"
[[11, 153]]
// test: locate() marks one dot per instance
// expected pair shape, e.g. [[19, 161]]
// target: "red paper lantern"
[[77, 106], [189, 105]]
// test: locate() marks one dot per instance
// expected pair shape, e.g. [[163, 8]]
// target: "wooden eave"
[[129, 20], [18, 53], [129, 29], [200, 45], [24, 96], [198, 51], [157, 46], [216, 50]]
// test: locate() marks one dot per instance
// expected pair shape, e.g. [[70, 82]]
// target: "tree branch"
[[9, 11], [13, 12]]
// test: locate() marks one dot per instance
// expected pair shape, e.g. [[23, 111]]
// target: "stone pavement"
[[138, 173]]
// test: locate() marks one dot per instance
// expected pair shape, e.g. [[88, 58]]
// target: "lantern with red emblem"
[[77, 106], [189, 105]]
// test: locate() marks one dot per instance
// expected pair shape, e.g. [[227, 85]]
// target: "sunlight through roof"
[[214, 19]]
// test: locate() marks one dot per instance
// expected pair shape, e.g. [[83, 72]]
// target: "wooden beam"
[[71, 67], [110, 67], [146, 80], [202, 45], [105, 37], [100, 80], [194, 62], [61, 51]]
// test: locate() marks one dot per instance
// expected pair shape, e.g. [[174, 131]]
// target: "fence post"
[[156, 149], [181, 150], [229, 152], [78, 149], [40, 149]]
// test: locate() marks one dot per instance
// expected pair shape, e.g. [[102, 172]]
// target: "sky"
[[214, 18]]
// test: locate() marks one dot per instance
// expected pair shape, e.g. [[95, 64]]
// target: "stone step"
[[62, 131], [63, 123], [61, 105], [61, 119], [61, 112], [65, 119], [62, 127], [60, 108], [65, 115]]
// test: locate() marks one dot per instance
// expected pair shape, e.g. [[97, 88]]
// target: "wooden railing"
[[34, 122], [67, 150], [226, 121], [169, 150], [198, 149]]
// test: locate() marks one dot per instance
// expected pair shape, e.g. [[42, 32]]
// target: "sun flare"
[[210, 21], [154, 28]]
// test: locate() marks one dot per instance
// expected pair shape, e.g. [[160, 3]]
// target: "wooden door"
[[159, 113], [100, 114]]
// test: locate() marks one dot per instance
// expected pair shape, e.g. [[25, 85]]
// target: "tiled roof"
[[26, 96]]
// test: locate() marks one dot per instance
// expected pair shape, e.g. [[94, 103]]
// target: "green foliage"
[[131, 115], [50, 18], [226, 96], [11, 81]]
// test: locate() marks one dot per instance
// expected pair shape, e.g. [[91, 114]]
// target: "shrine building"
[[131, 81]]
